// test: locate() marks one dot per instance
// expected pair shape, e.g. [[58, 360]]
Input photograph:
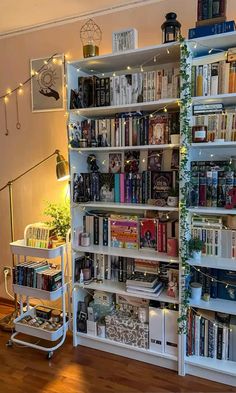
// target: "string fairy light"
[[18, 90]]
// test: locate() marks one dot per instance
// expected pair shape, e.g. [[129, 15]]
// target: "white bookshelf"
[[108, 65], [223, 371], [218, 370]]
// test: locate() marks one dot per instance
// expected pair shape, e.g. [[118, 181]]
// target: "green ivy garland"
[[185, 107]]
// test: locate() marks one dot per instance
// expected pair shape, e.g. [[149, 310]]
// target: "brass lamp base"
[[90, 50]]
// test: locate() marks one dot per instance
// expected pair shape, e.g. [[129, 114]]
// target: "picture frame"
[[47, 85], [124, 40]]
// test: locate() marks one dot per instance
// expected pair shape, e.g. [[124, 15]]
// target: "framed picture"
[[124, 40], [47, 86]]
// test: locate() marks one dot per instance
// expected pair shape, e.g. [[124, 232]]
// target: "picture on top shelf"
[[124, 40], [154, 160], [159, 130], [115, 162], [47, 86], [107, 187]]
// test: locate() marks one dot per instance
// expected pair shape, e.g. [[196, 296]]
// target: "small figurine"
[[92, 162]]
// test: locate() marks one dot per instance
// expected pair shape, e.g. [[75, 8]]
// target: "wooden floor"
[[84, 370]]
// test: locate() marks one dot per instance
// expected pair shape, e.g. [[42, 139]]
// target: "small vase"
[[174, 139], [197, 255], [172, 201], [196, 291]]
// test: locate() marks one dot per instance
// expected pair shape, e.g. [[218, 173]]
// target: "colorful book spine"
[[117, 187]]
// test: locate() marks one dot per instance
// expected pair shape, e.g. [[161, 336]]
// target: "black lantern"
[[170, 28]]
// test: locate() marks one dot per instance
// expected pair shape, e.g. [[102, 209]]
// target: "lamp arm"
[[56, 152]]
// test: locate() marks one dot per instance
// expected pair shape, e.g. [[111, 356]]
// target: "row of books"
[[219, 126], [124, 187], [211, 335], [131, 232], [214, 78], [211, 9], [39, 235], [211, 183], [94, 91], [209, 278], [38, 275], [139, 275], [124, 130]]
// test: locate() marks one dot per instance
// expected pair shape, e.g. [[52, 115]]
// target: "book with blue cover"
[[217, 28]]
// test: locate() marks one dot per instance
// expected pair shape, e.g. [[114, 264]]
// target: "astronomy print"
[[47, 87]]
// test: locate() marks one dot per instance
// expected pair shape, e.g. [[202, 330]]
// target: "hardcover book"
[[148, 233], [124, 231], [161, 184]]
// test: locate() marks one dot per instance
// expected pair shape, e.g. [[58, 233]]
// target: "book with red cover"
[[148, 233], [158, 130]]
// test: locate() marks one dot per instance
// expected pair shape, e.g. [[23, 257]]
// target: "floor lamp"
[[62, 173]]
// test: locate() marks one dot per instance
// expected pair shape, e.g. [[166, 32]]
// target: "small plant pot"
[[172, 201], [174, 139], [197, 255], [196, 291]]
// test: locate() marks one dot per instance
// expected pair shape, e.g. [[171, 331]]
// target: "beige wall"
[[42, 133]]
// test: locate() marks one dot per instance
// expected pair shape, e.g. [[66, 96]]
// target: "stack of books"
[[144, 283], [39, 235]]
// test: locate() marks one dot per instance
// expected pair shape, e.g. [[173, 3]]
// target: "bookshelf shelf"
[[171, 103], [212, 210], [125, 206], [215, 263], [123, 148], [213, 145], [218, 41], [127, 253], [39, 293], [119, 288], [159, 359], [221, 366], [219, 305], [133, 58], [227, 99]]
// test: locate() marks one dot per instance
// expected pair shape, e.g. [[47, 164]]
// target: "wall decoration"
[[47, 86], [124, 40]]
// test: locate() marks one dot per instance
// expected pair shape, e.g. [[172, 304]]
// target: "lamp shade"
[[62, 168]]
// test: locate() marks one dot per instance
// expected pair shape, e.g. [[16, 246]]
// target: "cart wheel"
[[9, 343], [49, 355]]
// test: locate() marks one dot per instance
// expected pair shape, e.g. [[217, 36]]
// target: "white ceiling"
[[24, 14]]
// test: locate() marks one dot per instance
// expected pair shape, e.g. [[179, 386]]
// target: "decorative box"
[[127, 330]]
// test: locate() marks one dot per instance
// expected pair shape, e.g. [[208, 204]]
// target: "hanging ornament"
[[5, 114], [18, 125]]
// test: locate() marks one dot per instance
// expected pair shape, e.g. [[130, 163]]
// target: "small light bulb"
[[20, 91], [128, 68], [20, 84], [141, 68], [195, 46], [167, 50], [210, 50], [6, 99], [151, 115], [54, 60], [114, 74], [155, 59], [9, 91], [45, 62], [165, 109]]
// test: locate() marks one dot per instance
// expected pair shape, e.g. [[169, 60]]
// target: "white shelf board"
[[120, 289], [219, 305], [38, 293], [215, 262], [129, 347], [227, 99], [127, 253], [172, 103], [19, 248], [212, 210], [214, 145], [121, 148], [217, 41], [133, 58], [125, 206], [221, 366]]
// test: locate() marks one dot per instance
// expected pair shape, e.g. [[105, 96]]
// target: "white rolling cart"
[[21, 251]]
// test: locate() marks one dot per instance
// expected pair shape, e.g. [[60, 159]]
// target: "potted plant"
[[195, 248], [59, 219], [173, 197]]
